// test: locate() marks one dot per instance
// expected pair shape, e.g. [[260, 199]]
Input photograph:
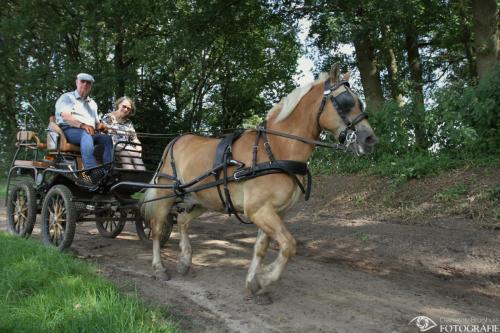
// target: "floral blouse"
[[120, 131]]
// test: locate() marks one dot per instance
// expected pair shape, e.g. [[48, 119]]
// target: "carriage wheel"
[[21, 209], [144, 231], [58, 218], [110, 228]]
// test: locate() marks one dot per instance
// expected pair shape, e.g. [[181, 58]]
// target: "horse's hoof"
[[253, 286], [182, 269], [162, 275], [262, 299]]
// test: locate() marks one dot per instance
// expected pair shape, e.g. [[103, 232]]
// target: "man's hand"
[[101, 127], [87, 128]]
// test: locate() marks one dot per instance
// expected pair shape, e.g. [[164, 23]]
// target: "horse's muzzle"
[[366, 141]]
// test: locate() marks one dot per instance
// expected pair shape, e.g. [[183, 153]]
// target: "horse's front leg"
[[160, 271], [259, 252], [185, 257], [272, 224]]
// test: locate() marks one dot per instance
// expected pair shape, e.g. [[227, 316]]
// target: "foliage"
[[493, 193], [45, 291], [451, 193], [400, 168], [210, 65], [189, 65], [467, 117], [462, 127]]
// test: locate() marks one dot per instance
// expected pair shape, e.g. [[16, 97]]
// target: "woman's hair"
[[125, 98]]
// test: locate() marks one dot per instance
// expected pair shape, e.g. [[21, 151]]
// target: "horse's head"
[[341, 113]]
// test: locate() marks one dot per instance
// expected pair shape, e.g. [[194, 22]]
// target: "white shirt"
[[83, 109]]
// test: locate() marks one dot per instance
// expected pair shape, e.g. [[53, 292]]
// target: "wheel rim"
[[57, 219], [110, 225], [20, 215]]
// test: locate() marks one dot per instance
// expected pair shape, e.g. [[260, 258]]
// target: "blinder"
[[342, 101]]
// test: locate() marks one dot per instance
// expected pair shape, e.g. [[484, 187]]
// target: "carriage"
[[259, 173], [48, 179]]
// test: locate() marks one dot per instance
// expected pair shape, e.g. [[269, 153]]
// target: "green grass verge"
[[3, 187], [42, 290], [402, 168]]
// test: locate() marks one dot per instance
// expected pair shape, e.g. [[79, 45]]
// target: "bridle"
[[334, 95], [337, 95]]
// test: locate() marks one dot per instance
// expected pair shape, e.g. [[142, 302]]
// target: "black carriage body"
[[48, 179]]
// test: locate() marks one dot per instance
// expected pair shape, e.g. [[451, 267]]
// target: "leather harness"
[[342, 101]]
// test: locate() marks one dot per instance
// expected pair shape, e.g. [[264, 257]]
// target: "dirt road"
[[351, 273]]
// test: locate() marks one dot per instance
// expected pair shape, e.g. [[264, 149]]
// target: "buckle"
[[351, 138], [237, 176]]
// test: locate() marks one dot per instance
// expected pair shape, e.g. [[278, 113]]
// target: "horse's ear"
[[346, 76], [334, 73]]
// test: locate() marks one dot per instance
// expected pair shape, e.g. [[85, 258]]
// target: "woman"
[[122, 131]]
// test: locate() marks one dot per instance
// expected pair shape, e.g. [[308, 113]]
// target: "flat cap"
[[85, 77]]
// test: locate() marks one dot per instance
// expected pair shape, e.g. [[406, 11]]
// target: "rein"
[[301, 139]]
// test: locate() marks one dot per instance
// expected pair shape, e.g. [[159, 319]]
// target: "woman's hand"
[[102, 127]]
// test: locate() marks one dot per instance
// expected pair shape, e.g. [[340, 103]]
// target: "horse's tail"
[[147, 203]]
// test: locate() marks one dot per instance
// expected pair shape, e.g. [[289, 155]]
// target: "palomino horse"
[[324, 104]]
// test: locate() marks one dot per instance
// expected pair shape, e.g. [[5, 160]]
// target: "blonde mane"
[[287, 104]]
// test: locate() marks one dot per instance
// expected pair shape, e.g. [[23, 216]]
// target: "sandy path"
[[350, 275]]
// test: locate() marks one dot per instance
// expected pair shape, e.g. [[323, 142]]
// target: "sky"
[[305, 65]]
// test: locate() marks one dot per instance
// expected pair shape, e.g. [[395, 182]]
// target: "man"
[[76, 114]]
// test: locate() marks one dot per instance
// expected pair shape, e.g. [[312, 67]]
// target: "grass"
[[400, 169], [451, 193], [3, 187], [42, 290]]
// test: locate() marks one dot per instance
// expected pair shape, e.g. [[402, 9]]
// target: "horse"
[[325, 104]]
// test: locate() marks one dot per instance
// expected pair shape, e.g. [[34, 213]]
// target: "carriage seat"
[[61, 144], [29, 139]]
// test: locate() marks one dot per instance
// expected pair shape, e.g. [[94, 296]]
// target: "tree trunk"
[[72, 43], [370, 77], [469, 54], [484, 20], [119, 68], [417, 87], [392, 68]]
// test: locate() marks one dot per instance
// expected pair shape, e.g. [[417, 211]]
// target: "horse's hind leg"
[[259, 252], [185, 256], [271, 223]]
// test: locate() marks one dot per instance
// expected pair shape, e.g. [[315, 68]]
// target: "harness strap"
[[255, 148], [223, 149], [267, 146], [261, 169]]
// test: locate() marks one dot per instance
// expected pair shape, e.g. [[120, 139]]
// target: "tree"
[[190, 65], [485, 15]]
